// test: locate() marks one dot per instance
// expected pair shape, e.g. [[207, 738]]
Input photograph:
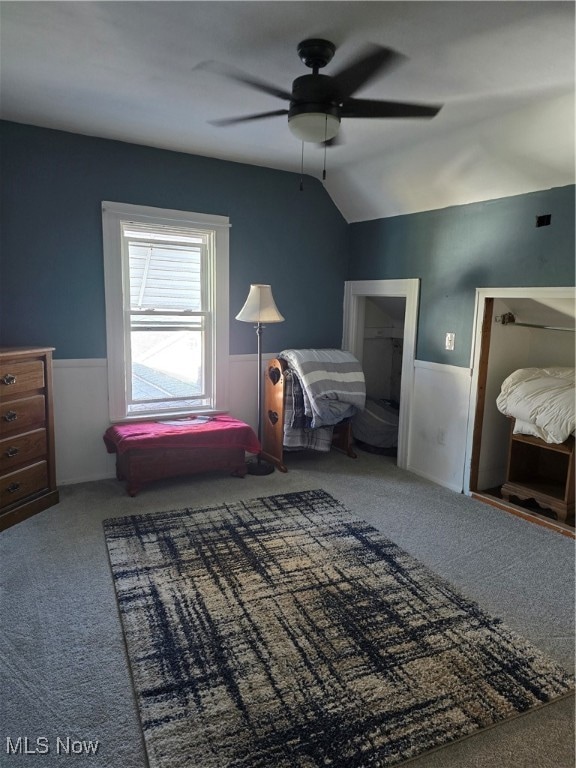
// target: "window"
[[166, 280]]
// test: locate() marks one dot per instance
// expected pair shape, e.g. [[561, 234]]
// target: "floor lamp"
[[259, 308]]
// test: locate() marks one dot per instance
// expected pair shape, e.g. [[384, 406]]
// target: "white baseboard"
[[87, 479], [438, 480]]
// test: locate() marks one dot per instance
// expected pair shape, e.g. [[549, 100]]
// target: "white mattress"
[[542, 400]]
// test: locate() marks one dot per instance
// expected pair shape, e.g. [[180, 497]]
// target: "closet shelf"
[[541, 471]]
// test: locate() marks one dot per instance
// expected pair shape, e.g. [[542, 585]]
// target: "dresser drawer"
[[24, 482], [18, 416], [22, 376], [22, 449]]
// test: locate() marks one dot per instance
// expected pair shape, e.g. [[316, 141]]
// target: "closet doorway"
[[381, 316], [498, 350]]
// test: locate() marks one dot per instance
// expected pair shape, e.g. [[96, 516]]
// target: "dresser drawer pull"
[[10, 416], [8, 379], [13, 487], [12, 451]]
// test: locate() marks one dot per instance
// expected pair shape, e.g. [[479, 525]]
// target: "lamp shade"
[[260, 306], [314, 126]]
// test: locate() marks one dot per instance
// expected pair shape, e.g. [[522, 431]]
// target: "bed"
[[541, 403]]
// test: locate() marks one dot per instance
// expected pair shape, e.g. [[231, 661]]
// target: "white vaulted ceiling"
[[127, 71]]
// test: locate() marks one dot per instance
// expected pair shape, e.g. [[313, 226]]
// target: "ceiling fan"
[[317, 103]]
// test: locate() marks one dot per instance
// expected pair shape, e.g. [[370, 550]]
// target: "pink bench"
[[153, 450]]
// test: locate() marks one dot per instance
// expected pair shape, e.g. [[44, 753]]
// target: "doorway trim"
[[475, 412], [355, 294]]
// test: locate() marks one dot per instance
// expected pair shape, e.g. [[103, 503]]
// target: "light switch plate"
[[450, 337]]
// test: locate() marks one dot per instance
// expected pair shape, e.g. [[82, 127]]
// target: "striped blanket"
[[298, 435], [332, 383]]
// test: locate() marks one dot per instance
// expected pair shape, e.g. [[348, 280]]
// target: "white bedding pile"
[[542, 400]]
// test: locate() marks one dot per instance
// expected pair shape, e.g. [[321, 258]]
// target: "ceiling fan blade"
[[246, 118], [242, 77], [365, 67], [369, 108], [337, 141]]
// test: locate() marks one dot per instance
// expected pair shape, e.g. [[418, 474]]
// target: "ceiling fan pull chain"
[[325, 139], [302, 170]]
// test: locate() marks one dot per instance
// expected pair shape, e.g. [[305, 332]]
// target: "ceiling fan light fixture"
[[315, 127]]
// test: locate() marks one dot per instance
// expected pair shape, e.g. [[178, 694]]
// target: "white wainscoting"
[[80, 420], [81, 413], [438, 423], [242, 392], [437, 438]]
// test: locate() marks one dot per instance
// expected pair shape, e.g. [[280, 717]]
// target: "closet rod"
[[509, 319], [545, 327]]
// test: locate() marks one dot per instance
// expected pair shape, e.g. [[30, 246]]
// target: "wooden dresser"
[[27, 467]]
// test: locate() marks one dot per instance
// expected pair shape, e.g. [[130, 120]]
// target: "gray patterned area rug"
[[282, 632]]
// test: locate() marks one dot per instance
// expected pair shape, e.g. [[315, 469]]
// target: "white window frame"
[[115, 275]]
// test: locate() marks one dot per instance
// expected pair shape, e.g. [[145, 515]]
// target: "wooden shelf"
[[566, 447], [541, 471]]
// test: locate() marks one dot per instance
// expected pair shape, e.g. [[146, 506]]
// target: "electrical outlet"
[[450, 338]]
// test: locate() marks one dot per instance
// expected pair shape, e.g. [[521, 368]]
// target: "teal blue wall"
[[51, 269], [456, 250]]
